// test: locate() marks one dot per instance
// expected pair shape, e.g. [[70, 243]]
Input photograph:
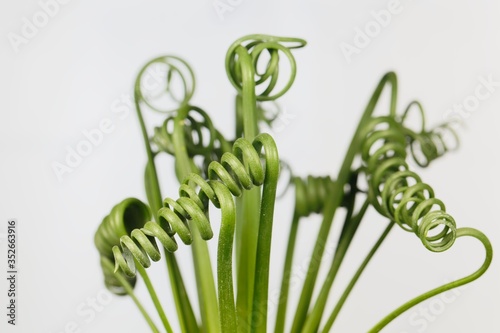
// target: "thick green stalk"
[[248, 221], [247, 207], [260, 299], [238, 116], [249, 101], [334, 200], [227, 307], [205, 282]]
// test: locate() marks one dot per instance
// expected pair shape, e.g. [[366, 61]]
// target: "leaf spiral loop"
[[124, 217], [255, 45], [428, 145], [237, 171], [155, 83], [397, 192], [197, 140], [311, 194], [201, 137]]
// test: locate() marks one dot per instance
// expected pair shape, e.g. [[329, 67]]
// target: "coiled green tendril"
[[255, 45], [200, 135], [428, 145], [399, 194], [153, 87], [124, 218], [241, 170]]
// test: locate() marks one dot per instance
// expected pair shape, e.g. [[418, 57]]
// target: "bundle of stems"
[[240, 177]]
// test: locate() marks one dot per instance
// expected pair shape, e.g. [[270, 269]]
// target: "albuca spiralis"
[[239, 177]]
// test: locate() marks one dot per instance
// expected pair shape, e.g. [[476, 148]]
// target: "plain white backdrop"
[[67, 74]]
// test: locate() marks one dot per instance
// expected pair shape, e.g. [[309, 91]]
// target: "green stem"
[[247, 225], [350, 228], [249, 102], [130, 291], [260, 299], [487, 261], [182, 303], [154, 297], [238, 116], [313, 269], [187, 319], [247, 221], [287, 271], [201, 258], [227, 308], [205, 282], [334, 199], [355, 279]]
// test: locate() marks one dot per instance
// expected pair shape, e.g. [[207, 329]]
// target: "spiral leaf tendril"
[[241, 170], [257, 46], [399, 194]]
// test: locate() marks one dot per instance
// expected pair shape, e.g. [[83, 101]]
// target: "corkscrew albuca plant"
[[240, 176]]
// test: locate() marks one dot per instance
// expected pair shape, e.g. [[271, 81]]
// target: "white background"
[[67, 78]]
